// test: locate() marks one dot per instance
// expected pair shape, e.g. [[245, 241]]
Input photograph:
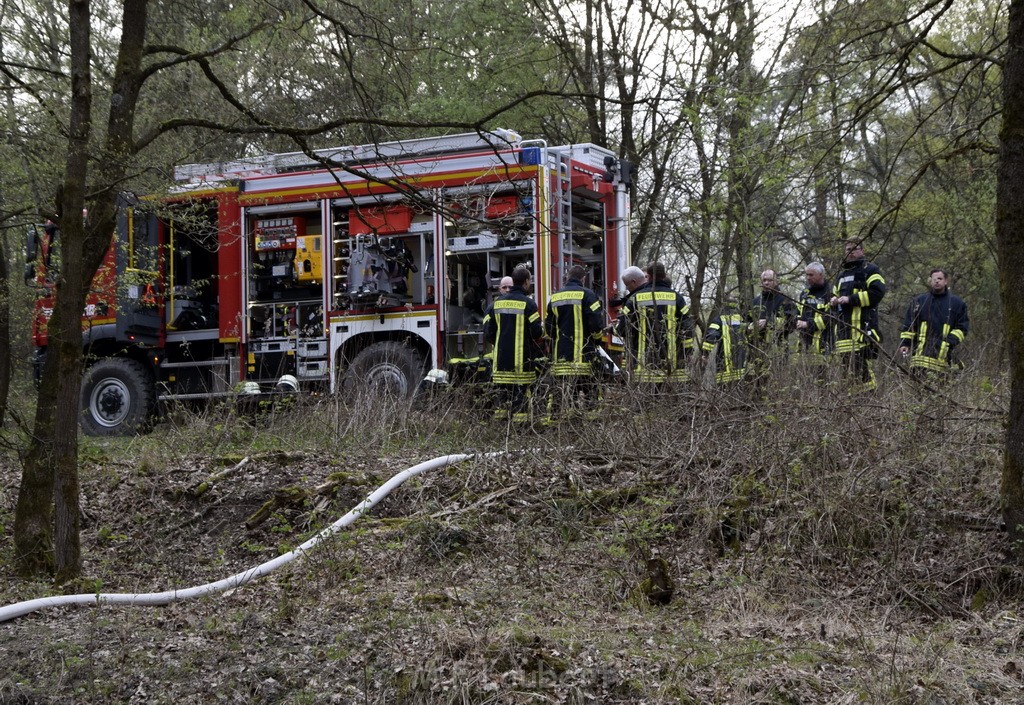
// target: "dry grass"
[[824, 548]]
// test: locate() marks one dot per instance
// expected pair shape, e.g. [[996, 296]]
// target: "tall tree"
[[741, 173], [620, 61], [51, 463], [5, 331], [1010, 238]]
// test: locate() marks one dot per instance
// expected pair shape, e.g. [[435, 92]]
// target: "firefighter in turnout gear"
[[772, 319], [513, 326], [727, 334], [936, 322], [813, 314], [858, 290], [773, 314], [656, 325], [574, 322]]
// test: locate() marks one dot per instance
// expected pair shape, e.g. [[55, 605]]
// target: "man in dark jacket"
[[772, 319], [936, 322], [573, 322], [773, 313], [856, 294], [813, 314], [512, 324], [656, 324]]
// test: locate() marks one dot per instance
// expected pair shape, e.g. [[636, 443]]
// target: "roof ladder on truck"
[[563, 212], [496, 139]]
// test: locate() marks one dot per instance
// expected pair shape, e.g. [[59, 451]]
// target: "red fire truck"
[[359, 265]]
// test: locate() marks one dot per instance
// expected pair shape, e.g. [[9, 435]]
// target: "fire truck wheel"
[[118, 398], [386, 368]]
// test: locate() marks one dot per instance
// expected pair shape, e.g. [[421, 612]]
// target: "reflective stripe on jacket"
[[573, 319], [658, 329], [726, 334], [863, 283], [932, 328], [513, 325]]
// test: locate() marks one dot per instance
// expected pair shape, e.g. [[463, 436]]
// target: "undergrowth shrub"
[[804, 544], [893, 491]]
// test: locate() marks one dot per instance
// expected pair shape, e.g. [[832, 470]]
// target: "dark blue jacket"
[[856, 322], [513, 325], [815, 311], [932, 328], [573, 318]]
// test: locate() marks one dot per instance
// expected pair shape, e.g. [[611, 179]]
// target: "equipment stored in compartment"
[[278, 233], [484, 240], [309, 259]]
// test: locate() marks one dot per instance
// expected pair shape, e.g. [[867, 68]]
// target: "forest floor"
[[818, 548]]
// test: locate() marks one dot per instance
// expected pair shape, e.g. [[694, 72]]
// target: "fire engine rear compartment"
[[284, 311], [409, 275]]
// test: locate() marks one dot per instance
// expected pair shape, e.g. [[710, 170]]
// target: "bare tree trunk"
[[33, 517], [837, 169], [740, 174], [594, 78], [821, 225], [62, 452], [50, 471], [5, 274], [706, 218], [1010, 240], [700, 267], [5, 332]]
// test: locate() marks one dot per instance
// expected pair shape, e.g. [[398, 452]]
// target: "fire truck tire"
[[118, 398], [388, 368]]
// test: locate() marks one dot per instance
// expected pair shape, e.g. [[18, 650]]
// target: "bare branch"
[[185, 56]]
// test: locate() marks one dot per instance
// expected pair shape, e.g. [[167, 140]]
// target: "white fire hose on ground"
[[162, 598]]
